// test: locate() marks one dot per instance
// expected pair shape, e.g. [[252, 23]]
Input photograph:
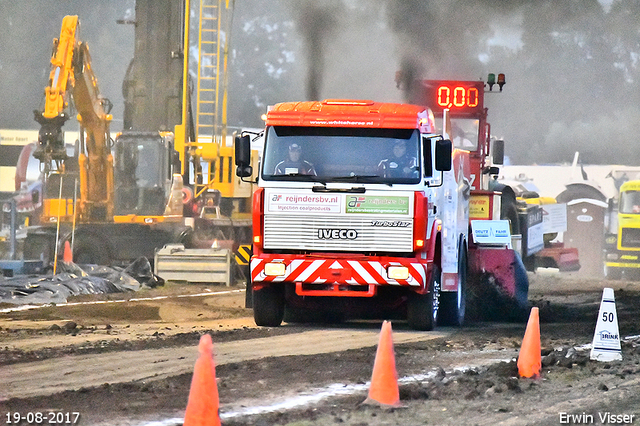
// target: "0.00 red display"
[[457, 97]]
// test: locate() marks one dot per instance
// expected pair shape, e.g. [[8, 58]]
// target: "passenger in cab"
[[400, 164]]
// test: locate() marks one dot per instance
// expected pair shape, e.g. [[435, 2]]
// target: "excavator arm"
[[72, 81], [50, 137]]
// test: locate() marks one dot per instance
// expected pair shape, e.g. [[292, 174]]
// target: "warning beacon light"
[[491, 80], [501, 81]]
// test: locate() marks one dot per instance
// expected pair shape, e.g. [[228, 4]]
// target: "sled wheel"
[[422, 309]]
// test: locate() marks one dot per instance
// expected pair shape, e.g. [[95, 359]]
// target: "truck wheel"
[[422, 309], [268, 306], [453, 304]]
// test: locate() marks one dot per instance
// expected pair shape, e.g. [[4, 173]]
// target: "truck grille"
[[630, 238], [321, 233]]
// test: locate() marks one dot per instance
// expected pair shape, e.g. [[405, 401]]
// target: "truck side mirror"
[[243, 156], [497, 149], [443, 155]]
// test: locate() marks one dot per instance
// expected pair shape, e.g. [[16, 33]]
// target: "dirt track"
[[257, 368]]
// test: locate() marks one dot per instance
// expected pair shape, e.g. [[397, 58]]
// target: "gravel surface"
[[460, 376]]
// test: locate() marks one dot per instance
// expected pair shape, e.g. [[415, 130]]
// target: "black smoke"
[[573, 76], [316, 23]]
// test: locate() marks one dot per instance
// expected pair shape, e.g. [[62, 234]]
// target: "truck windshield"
[[333, 154], [630, 202]]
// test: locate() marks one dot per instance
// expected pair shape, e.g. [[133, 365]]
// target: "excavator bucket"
[[50, 138], [498, 286]]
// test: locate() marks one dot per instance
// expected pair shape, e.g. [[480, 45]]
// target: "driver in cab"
[[294, 164]]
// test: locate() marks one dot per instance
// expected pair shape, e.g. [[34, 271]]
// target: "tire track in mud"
[[74, 372]]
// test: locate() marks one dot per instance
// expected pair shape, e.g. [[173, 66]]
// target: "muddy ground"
[[463, 376]]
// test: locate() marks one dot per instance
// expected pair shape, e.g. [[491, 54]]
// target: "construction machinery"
[[161, 177], [79, 184]]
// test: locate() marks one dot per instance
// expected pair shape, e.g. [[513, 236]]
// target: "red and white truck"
[[363, 217]]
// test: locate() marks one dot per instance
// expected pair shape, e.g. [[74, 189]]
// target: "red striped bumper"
[[326, 276]]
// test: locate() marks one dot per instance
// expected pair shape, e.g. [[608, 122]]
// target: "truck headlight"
[[398, 272], [274, 269], [612, 256]]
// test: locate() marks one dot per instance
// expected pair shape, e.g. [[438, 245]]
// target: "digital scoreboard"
[[460, 97]]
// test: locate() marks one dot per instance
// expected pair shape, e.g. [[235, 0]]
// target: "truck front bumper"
[[338, 276]]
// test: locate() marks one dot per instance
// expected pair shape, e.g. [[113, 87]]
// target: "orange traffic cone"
[[384, 389], [67, 256], [203, 405], [530, 358]]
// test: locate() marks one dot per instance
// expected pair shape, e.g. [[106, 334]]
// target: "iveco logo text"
[[337, 234], [391, 223]]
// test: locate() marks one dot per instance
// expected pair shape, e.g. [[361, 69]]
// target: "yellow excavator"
[[72, 80], [170, 179], [79, 201]]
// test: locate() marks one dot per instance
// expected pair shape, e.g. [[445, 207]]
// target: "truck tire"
[[268, 306], [422, 309], [453, 304]]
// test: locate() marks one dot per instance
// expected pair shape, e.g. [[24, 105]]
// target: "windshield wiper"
[[298, 176], [361, 178], [323, 188]]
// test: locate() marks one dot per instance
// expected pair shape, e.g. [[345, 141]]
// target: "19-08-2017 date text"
[[42, 418]]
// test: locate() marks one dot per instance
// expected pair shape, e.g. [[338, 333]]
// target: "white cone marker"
[[606, 339]]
